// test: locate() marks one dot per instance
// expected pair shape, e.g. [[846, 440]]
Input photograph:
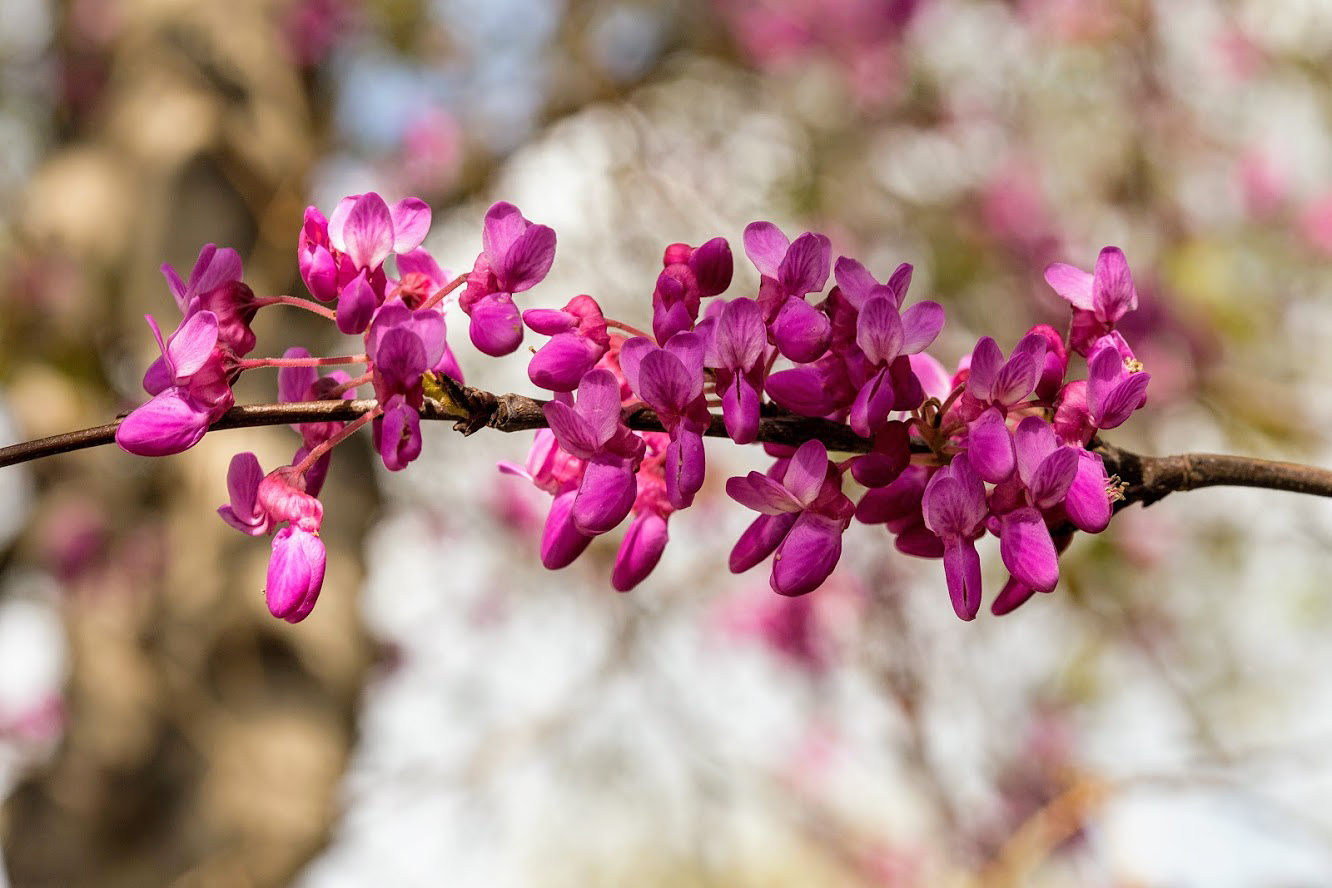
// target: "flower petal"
[[172, 422], [740, 335], [528, 260], [411, 221], [766, 247], [605, 496], [295, 574], [1088, 504], [801, 331], [807, 555], [1074, 284], [1113, 293], [1034, 440], [921, 324], [1027, 549], [804, 269], [962, 570], [561, 541], [759, 540], [192, 344], [990, 447], [369, 232], [640, 550], [879, 332], [986, 361], [497, 328], [806, 472]]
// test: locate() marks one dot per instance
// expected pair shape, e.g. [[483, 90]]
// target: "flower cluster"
[[1000, 445]]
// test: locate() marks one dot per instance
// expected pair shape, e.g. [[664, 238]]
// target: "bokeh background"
[[451, 714]]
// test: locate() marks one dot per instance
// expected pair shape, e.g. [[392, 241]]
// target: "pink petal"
[[762, 494], [1027, 549], [804, 269], [1088, 504], [356, 305], [855, 281], [759, 540], [640, 550], [369, 232], [171, 422], [337, 221], [503, 225], [497, 328], [740, 336], [766, 247], [605, 496], [1073, 284], [419, 261], [528, 260], [599, 404], [1113, 293], [921, 324], [740, 411], [801, 331], [1035, 440], [874, 401], [631, 357], [1050, 484], [295, 574], [192, 345], [664, 384], [561, 542], [986, 360], [411, 222], [990, 447], [806, 472], [962, 570], [807, 555], [879, 331]]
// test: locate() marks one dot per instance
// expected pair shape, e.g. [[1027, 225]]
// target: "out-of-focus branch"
[[1148, 478]]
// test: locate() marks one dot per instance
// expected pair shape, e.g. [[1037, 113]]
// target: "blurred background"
[[453, 715]]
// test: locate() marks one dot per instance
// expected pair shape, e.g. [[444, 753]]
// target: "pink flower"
[[1099, 300], [592, 429], [191, 388], [790, 271], [516, 256], [691, 273], [578, 340], [261, 502], [807, 514], [955, 509], [670, 381]]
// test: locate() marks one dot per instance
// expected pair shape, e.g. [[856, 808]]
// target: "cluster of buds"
[[999, 445]]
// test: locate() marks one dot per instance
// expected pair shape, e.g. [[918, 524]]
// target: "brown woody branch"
[[1148, 478]]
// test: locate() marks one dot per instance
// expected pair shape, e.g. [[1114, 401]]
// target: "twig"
[[1148, 478]]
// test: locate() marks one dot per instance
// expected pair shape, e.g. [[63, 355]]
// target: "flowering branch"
[[1005, 444]]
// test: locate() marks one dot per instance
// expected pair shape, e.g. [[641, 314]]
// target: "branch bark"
[[1149, 479]]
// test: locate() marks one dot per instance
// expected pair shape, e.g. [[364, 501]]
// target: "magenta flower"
[[578, 341], [885, 335], [670, 381], [243, 512], [811, 514], [593, 430], [517, 255], [955, 509], [738, 349], [1045, 472], [990, 446], [215, 285], [790, 271], [822, 388], [691, 273], [1115, 387], [191, 388], [1099, 300], [402, 345], [1004, 384], [261, 502], [367, 230]]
